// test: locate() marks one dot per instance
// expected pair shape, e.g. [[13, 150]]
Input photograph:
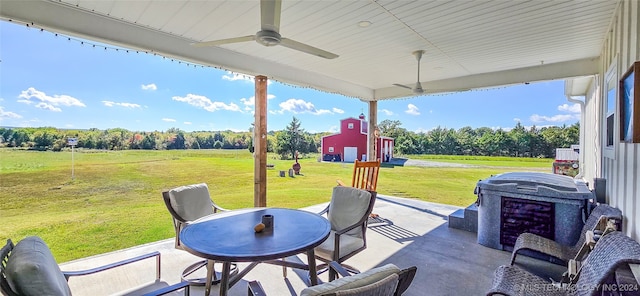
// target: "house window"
[[331, 149], [350, 126], [610, 95]]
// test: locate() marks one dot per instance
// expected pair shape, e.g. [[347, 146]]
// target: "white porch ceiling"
[[469, 44]]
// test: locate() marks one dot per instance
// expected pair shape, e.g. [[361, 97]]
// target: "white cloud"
[[386, 112], [46, 106], [337, 110], [206, 104], [252, 101], [8, 114], [150, 86], [230, 76], [555, 118], [575, 108], [187, 122], [31, 95], [126, 105], [412, 110], [334, 129], [517, 119], [168, 119], [297, 106]]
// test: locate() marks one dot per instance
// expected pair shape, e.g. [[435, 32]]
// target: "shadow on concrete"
[[391, 231]]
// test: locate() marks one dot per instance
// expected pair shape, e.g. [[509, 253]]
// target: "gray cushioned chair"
[[612, 251], [187, 204], [386, 280], [348, 212], [529, 241], [29, 269]]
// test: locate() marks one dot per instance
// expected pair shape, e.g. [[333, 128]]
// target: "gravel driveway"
[[428, 163]]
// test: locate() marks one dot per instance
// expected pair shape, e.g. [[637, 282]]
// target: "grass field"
[[114, 202]]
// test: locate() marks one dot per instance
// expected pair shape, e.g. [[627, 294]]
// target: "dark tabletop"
[[230, 236]]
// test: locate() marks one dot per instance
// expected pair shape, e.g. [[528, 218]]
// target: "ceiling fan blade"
[[225, 41], [270, 15], [307, 48], [401, 85]]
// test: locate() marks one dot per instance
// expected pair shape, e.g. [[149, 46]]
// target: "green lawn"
[[494, 161], [115, 201]]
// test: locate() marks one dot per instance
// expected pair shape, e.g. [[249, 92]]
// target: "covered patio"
[[469, 45], [416, 233]]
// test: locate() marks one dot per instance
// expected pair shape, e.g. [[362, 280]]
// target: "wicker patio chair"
[[529, 241], [29, 269], [612, 251], [386, 280]]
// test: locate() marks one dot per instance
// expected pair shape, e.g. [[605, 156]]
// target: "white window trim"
[[610, 78], [331, 150], [350, 125]]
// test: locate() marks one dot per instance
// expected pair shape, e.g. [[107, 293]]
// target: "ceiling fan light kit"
[[269, 34]]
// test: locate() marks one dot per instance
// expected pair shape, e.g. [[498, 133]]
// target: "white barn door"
[[350, 154]]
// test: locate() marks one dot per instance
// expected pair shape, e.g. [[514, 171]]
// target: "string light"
[[195, 66], [109, 48]]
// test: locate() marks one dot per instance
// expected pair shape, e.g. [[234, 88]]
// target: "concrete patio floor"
[[449, 261]]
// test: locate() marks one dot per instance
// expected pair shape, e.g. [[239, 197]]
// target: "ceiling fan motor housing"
[[268, 38]]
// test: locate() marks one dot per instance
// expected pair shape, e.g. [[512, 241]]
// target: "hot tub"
[[553, 206]]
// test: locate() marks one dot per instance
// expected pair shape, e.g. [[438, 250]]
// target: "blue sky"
[[48, 80]]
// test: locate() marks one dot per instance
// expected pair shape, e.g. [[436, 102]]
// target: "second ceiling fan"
[[269, 34], [417, 89]]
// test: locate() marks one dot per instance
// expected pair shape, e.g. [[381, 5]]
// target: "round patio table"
[[230, 237]]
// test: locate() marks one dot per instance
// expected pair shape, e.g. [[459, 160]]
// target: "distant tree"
[[291, 140], [391, 128], [149, 141], [520, 139], [466, 137]]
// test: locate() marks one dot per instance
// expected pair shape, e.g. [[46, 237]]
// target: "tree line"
[[50, 138], [518, 141]]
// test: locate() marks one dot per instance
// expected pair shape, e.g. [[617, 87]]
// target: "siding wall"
[[620, 168]]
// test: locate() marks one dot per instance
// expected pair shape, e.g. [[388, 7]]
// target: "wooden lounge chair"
[[529, 241], [611, 252], [29, 269], [365, 175]]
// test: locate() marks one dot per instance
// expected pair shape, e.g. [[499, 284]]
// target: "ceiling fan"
[[417, 89], [269, 34]]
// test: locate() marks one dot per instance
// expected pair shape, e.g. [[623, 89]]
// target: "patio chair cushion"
[[191, 202], [348, 205], [351, 282], [32, 270], [348, 244], [386, 286]]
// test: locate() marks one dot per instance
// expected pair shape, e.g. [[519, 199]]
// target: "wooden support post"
[[373, 123], [260, 142]]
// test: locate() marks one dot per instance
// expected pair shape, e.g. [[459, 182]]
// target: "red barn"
[[351, 142]]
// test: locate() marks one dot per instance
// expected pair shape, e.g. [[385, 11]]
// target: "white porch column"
[[373, 123]]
